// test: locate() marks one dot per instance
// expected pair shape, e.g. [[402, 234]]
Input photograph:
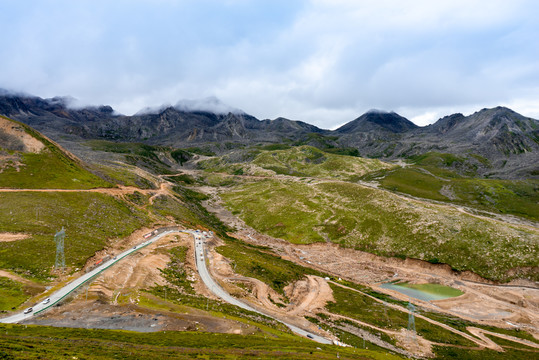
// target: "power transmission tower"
[[60, 262], [411, 321]]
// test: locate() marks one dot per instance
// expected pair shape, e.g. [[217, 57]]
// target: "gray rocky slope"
[[499, 142]]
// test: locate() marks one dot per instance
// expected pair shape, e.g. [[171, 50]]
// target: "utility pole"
[[411, 321], [60, 262]]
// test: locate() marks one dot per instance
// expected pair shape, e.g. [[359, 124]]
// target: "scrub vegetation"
[[49, 168], [301, 161], [261, 264], [89, 219], [376, 221], [426, 179], [31, 342], [13, 293]]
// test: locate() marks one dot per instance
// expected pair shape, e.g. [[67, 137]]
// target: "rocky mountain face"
[[169, 126], [499, 142], [375, 121]]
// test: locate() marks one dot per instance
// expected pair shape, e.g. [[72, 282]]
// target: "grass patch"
[[187, 209], [351, 339], [175, 271], [299, 161], [31, 342], [12, 294], [126, 148], [259, 264], [414, 182], [90, 220], [137, 198], [461, 324], [206, 151], [443, 352], [515, 197], [310, 161], [378, 222], [51, 168], [182, 179], [509, 344], [123, 175]]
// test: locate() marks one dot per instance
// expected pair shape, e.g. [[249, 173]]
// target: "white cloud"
[[324, 62]]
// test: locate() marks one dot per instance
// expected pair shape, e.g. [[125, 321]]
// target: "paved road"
[[202, 269], [220, 292], [69, 288]]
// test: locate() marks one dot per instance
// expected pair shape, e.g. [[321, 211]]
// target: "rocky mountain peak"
[[376, 120]]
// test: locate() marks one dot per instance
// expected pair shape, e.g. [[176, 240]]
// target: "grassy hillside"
[[433, 176], [310, 161], [376, 221], [299, 161], [428, 177], [49, 168], [251, 261], [31, 342], [90, 219], [156, 159], [13, 293]]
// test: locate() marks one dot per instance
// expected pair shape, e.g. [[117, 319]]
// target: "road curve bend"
[[217, 290], [221, 293]]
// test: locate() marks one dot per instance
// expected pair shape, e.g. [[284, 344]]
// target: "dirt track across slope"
[[8, 237], [515, 306]]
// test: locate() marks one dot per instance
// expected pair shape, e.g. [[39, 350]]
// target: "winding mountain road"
[[217, 290], [221, 293], [75, 284]]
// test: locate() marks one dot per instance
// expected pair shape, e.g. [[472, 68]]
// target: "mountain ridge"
[[507, 141]]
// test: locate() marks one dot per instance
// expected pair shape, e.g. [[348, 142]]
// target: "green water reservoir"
[[425, 292]]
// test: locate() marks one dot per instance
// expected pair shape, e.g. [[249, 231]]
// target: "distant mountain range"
[[499, 141]]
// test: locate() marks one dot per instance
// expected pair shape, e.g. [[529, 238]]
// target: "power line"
[[411, 322], [60, 262]]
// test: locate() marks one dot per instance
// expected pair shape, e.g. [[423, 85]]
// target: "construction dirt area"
[[117, 300], [497, 305], [512, 305], [8, 237]]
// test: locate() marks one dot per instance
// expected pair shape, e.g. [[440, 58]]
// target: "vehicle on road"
[[134, 247], [29, 310], [310, 336], [46, 301]]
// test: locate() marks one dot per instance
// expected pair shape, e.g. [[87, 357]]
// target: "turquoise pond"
[[425, 292]]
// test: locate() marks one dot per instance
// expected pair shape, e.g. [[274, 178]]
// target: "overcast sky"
[[323, 62]]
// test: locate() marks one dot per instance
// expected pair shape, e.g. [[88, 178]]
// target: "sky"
[[324, 62]]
